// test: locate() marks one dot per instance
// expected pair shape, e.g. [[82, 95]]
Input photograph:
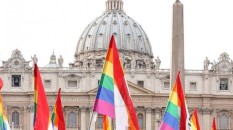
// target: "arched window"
[[140, 120], [15, 119], [99, 122], [72, 120], [223, 121]]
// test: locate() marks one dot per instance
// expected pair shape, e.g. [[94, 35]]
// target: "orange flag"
[[194, 121], [214, 124], [41, 109], [106, 123]]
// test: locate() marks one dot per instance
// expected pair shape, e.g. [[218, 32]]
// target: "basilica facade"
[[210, 90]]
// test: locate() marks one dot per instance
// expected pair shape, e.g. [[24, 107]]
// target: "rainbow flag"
[[106, 123], [41, 109], [113, 97], [194, 121], [4, 125], [214, 124], [176, 115], [57, 120]]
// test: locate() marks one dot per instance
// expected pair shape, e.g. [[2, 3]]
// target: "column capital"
[[206, 110], [148, 110], [83, 109]]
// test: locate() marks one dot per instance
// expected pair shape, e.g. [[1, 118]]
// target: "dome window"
[[89, 36], [101, 34], [135, 25], [125, 23], [104, 22], [114, 22]]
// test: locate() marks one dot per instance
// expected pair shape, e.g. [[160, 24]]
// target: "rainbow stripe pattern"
[[176, 115], [194, 121], [113, 97], [57, 119], [4, 125]]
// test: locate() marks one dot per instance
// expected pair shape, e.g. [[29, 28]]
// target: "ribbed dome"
[[129, 35]]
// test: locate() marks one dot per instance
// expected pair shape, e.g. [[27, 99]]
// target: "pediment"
[[16, 62], [224, 65], [133, 88]]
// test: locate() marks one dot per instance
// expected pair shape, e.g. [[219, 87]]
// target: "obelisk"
[[177, 58]]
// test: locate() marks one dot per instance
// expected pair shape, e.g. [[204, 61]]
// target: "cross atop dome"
[[114, 5]]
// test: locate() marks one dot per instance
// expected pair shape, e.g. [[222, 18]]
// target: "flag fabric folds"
[[113, 97], [194, 121], [4, 125], [57, 118], [214, 124], [41, 109], [176, 115]]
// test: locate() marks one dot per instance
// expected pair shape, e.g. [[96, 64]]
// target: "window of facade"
[[99, 122], [47, 83], [72, 120], [166, 85], [223, 122], [15, 119], [140, 120], [141, 83], [193, 86], [223, 85], [16, 80], [72, 83]]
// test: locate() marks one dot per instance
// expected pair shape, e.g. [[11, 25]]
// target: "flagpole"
[[89, 128]]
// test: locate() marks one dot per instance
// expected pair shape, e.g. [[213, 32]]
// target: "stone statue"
[[60, 61], [126, 61], [214, 66], [6, 64], [206, 63], [93, 63], [34, 59], [147, 62], [158, 62], [133, 62], [26, 65]]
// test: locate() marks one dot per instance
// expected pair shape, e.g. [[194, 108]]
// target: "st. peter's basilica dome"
[[131, 39]]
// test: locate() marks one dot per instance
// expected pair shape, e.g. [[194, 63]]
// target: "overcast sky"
[[41, 27]]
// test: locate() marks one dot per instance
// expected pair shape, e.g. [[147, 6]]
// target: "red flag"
[[41, 109], [214, 124], [58, 121], [1, 83]]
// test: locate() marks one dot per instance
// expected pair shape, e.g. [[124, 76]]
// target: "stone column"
[[30, 117], [177, 52], [205, 88], [231, 119], [207, 120], [92, 119], [157, 118], [200, 117], [83, 118], [148, 118]]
